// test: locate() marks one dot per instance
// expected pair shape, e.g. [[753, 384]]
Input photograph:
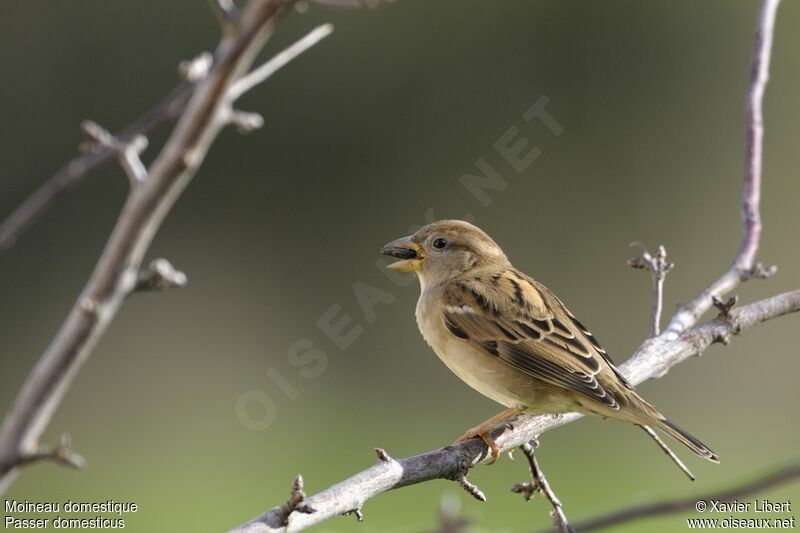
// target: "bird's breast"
[[481, 371]]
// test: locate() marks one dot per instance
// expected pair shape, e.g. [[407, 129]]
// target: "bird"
[[512, 339]]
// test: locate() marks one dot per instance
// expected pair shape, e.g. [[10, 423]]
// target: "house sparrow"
[[510, 338]]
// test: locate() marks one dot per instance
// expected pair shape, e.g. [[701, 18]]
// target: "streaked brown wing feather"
[[518, 320]]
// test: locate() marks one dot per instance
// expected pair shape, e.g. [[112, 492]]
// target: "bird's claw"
[[487, 439]]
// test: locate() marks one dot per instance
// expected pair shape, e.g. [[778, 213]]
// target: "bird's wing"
[[516, 319]]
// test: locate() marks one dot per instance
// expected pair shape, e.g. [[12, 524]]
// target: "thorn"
[[193, 70], [470, 488], [383, 456]]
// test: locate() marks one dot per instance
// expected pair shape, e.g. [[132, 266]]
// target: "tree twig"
[[116, 274], [75, 170], [277, 62], [780, 476], [128, 152], [666, 449], [659, 267], [744, 266], [540, 484]]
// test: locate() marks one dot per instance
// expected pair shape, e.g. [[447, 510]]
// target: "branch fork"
[[539, 483], [61, 453], [128, 152], [246, 121]]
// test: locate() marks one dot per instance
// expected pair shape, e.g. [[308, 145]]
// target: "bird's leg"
[[484, 430]]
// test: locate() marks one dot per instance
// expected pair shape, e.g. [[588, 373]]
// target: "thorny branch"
[[682, 339], [153, 192], [780, 476]]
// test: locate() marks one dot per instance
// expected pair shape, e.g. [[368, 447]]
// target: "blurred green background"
[[363, 135]]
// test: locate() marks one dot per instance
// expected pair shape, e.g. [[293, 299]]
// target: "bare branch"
[[744, 266], [117, 271], [265, 71], [470, 488], [652, 360], [659, 267], [75, 170], [778, 477], [666, 449], [540, 484], [127, 151]]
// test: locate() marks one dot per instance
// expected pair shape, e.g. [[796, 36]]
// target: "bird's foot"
[[484, 431], [487, 439]]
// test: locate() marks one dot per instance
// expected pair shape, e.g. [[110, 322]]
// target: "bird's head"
[[443, 250]]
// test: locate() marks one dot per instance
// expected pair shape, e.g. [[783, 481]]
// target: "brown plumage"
[[509, 337]]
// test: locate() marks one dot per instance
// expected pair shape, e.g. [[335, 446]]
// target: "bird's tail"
[[648, 415], [685, 438]]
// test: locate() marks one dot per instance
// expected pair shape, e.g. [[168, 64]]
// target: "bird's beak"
[[408, 252]]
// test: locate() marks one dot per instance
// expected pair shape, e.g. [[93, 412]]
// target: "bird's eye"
[[440, 243]]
